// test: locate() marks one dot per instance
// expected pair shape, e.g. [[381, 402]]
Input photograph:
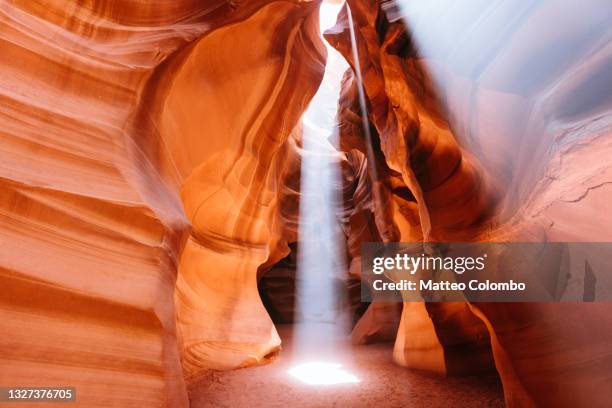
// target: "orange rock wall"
[[487, 134], [148, 163], [114, 116], [234, 131]]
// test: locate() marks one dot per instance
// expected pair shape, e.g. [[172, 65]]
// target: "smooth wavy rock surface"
[[491, 123], [123, 124], [245, 112], [150, 163]]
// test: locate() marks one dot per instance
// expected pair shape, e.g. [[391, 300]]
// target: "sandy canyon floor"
[[382, 384]]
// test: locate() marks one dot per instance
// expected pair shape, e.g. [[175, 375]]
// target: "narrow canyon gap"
[[163, 183]]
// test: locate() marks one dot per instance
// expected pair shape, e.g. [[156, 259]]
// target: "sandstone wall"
[[122, 125], [491, 123]]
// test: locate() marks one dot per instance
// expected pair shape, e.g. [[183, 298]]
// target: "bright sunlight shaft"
[[319, 337]]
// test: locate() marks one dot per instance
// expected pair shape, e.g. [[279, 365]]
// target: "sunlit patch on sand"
[[322, 373]]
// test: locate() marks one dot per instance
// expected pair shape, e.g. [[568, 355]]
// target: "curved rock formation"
[[232, 156], [115, 116], [432, 186], [150, 175], [88, 259], [490, 146]]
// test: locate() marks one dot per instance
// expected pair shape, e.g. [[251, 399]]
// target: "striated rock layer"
[[88, 257], [429, 188], [484, 133], [149, 176], [231, 194], [123, 124]]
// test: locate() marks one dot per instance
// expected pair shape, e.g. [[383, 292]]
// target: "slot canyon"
[[186, 187]]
